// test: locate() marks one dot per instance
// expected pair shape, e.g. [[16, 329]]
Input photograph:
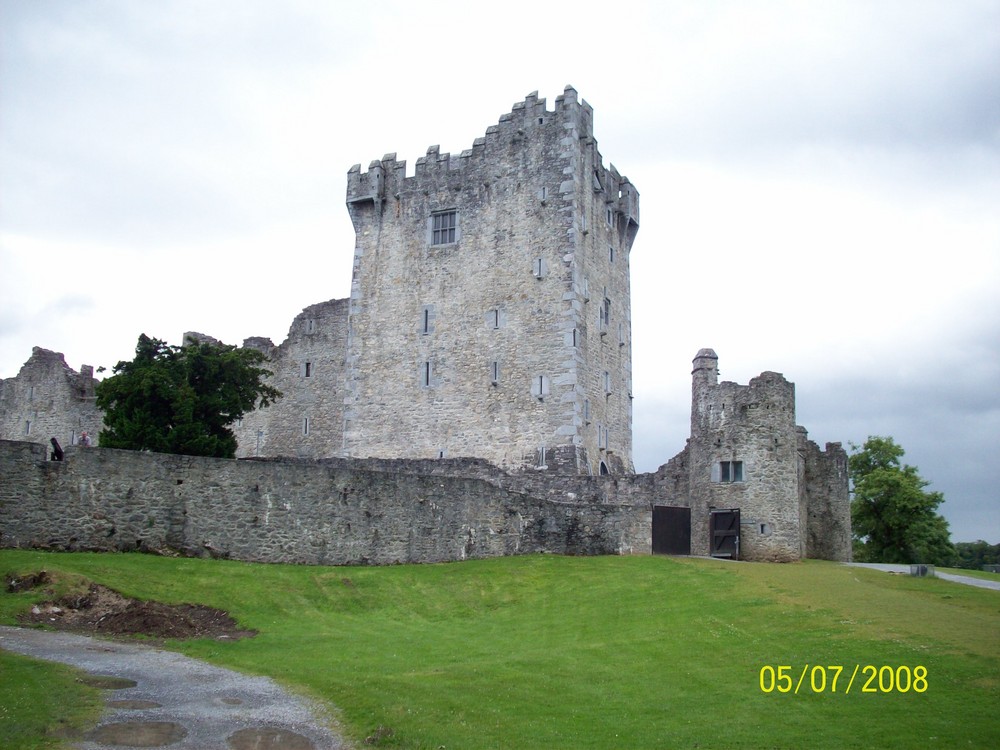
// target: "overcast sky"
[[820, 186]]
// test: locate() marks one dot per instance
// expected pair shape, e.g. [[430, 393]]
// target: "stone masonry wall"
[[828, 503], [512, 341], [338, 512], [47, 399], [308, 369]]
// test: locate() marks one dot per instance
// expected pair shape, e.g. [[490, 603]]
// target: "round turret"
[[706, 366]]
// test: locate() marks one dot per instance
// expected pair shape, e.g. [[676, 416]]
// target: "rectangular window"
[[540, 387], [607, 382], [604, 315], [496, 317], [427, 320], [307, 369], [731, 471], [494, 372], [426, 375], [444, 228], [539, 267], [586, 411], [611, 254], [610, 217], [310, 325], [27, 428], [305, 425]]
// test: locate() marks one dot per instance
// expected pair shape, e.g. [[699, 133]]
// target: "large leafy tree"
[[894, 519], [182, 399]]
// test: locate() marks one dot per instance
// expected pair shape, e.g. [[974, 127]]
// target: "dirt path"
[[157, 698]]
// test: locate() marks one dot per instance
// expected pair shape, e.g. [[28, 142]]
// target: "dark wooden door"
[[671, 530], [725, 531]]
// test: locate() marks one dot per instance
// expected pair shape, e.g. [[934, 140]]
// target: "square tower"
[[490, 314]]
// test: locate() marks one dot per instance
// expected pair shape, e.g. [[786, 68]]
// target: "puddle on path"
[[269, 739], [107, 682], [137, 733]]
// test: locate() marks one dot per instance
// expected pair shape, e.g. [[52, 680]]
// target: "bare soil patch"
[[104, 611]]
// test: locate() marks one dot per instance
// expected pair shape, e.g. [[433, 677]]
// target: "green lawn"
[[608, 652]]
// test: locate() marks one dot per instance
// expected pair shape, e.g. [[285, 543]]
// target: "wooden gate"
[[725, 531], [671, 530]]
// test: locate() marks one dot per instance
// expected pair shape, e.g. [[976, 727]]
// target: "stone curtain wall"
[[326, 512]]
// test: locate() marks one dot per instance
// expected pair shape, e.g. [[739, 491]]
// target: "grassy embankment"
[[612, 652]]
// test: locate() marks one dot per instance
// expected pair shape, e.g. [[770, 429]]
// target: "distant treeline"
[[974, 555]]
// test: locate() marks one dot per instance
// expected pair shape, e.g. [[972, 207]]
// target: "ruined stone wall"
[[498, 343], [47, 399], [308, 369], [338, 512], [828, 502]]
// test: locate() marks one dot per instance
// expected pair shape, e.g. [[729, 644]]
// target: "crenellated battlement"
[[530, 118]]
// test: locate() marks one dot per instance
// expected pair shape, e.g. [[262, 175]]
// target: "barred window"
[[444, 227]]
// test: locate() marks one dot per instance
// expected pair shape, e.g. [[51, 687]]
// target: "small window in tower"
[[27, 428], [444, 227], [610, 216], [307, 369], [495, 372], [597, 182], [540, 387], [586, 411], [543, 193], [539, 268], [427, 320], [607, 382], [730, 471], [611, 254], [426, 375], [541, 457], [305, 425], [494, 318], [576, 338], [310, 325], [621, 334]]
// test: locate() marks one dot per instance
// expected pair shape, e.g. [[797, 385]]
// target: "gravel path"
[[176, 701]]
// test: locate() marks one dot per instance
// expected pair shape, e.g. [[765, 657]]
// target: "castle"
[[490, 319]]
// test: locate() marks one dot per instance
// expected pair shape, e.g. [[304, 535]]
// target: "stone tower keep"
[[489, 312]]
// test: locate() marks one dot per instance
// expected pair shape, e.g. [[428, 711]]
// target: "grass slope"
[[611, 652], [42, 702]]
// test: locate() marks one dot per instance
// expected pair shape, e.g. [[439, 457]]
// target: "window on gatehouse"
[[730, 471]]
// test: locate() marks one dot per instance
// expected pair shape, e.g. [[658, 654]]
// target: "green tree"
[[182, 399], [894, 519], [974, 555]]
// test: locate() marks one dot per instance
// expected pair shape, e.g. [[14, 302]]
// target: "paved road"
[[177, 700], [967, 580]]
